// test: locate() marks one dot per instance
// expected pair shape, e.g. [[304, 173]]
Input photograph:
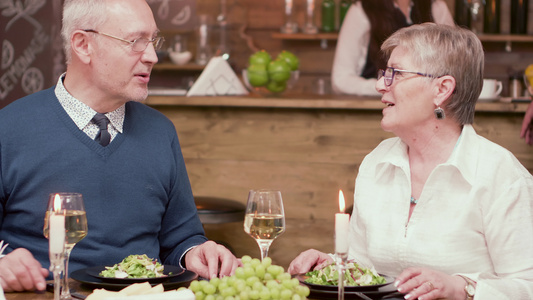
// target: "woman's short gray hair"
[[81, 14], [446, 50]]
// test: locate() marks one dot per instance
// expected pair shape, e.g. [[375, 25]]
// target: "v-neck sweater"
[[136, 190]]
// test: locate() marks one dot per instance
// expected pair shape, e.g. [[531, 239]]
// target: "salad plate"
[[169, 271], [172, 282], [359, 288]]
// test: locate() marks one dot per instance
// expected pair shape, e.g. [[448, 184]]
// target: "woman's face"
[[409, 99]]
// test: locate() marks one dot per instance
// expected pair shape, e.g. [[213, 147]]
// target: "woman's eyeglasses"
[[389, 72]]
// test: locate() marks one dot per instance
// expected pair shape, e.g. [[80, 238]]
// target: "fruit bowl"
[[270, 88]]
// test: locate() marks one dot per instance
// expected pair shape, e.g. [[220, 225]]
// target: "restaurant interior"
[[306, 142]]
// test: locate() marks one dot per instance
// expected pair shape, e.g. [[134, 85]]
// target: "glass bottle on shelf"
[[476, 22], [203, 49], [462, 13], [290, 26], [328, 15], [310, 26], [344, 5], [519, 12], [491, 16]]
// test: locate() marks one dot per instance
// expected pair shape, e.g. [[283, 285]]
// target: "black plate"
[[175, 270], [96, 283], [303, 277], [379, 293]]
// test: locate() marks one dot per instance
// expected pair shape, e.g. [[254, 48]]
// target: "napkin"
[[217, 79], [2, 248], [184, 294]]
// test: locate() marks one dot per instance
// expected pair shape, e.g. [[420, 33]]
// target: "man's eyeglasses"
[[138, 45], [389, 73]]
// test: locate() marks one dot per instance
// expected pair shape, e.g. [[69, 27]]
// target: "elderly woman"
[[442, 209]]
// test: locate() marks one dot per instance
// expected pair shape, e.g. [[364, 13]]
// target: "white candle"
[[342, 224], [57, 228]]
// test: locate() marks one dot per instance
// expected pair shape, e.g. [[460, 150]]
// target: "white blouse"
[[474, 216], [352, 48]]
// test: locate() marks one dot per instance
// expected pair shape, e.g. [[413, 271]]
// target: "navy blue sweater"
[[136, 190]]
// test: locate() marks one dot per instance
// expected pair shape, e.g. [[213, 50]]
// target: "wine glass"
[[264, 219], [75, 228]]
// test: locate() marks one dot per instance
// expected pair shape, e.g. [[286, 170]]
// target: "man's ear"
[[81, 46], [444, 90]]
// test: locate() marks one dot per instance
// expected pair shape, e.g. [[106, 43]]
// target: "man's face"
[[119, 73]]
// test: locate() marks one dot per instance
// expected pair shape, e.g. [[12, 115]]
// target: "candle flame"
[[342, 205], [57, 204]]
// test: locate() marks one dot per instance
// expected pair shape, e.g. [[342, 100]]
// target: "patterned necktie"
[[103, 137]]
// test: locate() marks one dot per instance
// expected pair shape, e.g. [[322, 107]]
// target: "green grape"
[[230, 291], [260, 271], [296, 297], [267, 261], [295, 282], [271, 284], [245, 295], [215, 281], [258, 286], [302, 290], [275, 293], [251, 280], [246, 259], [285, 294], [255, 262], [209, 289], [283, 276], [229, 298], [268, 277], [239, 272], [195, 286], [274, 270], [222, 285], [240, 284], [287, 284], [254, 294], [210, 297], [264, 294], [199, 295], [249, 271]]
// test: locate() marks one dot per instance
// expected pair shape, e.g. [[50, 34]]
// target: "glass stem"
[[264, 246], [65, 290]]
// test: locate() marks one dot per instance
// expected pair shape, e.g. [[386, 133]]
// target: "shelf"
[[305, 36], [174, 67], [325, 37]]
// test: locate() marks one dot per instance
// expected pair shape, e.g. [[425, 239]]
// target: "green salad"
[[354, 275], [135, 266]]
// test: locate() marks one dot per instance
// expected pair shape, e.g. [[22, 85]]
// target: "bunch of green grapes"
[[254, 280]]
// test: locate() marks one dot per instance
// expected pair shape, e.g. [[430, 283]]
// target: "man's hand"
[[210, 260], [309, 260], [20, 271]]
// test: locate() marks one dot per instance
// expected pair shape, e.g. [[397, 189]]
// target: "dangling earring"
[[439, 113]]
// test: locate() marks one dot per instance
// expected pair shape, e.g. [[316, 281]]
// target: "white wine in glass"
[[75, 228], [264, 219]]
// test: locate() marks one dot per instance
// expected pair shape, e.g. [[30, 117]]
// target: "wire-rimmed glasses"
[[389, 72], [137, 45]]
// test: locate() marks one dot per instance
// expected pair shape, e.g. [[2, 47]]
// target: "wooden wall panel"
[[308, 154]]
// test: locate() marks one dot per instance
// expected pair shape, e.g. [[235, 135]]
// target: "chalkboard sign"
[[174, 14], [32, 49], [32, 56]]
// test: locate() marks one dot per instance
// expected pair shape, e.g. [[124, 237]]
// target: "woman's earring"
[[439, 113]]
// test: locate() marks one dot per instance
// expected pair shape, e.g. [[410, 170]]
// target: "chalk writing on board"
[[17, 10], [20, 69], [173, 14]]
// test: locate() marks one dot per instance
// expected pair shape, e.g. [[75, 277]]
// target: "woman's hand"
[[309, 260], [426, 284]]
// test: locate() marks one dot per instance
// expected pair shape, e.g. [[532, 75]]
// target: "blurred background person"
[[444, 210], [366, 25]]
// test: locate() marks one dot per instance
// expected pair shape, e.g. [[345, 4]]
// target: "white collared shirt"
[[474, 216], [82, 114]]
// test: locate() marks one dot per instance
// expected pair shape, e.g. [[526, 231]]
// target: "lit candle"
[[342, 224], [57, 228]]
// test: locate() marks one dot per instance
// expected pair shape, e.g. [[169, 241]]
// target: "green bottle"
[[343, 9], [328, 15]]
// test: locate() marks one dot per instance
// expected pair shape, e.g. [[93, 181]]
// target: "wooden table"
[[47, 295]]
